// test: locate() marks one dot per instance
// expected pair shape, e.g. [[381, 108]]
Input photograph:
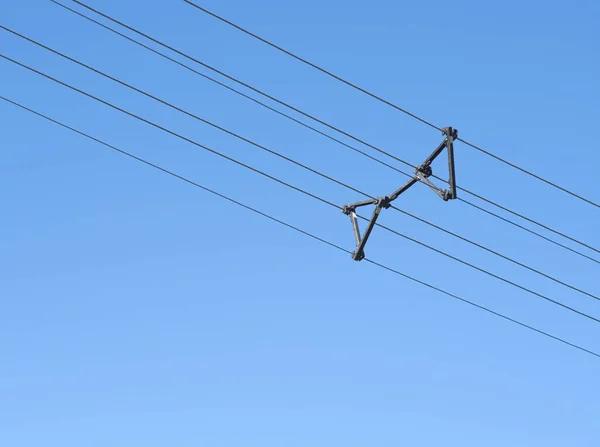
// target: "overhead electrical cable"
[[546, 227], [288, 159], [379, 98], [312, 195], [295, 228]]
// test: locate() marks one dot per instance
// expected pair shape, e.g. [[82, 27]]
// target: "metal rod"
[[440, 192], [351, 206], [435, 153], [402, 189], [452, 134], [359, 254], [355, 227]]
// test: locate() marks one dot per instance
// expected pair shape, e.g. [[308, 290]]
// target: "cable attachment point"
[[424, 171], [449, 131], [350, 210], [422, 174]]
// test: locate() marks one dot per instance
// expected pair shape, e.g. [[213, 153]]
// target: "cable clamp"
[[422, 174]]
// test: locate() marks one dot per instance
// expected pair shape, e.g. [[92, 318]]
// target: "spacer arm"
[[435, 153], [445, 195], [355, 227], [400, 190], [451, 135], [352, 206], [359, 254]]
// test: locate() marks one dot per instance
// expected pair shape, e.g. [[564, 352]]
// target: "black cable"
[[487, 272], [314, 237], [246, 140], [534, 222], [314, 196], [528, 219], [206, 148], [242, 83], [379, 98], [238, 92], [304, 61], [320, 122], [500, 255], [527, 229]]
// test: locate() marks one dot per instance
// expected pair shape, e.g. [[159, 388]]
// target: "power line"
[[288, 159], [266, 95], [295, 188], [310, 64], [527, 229], [295, 228], [379, 98], [546, 227]]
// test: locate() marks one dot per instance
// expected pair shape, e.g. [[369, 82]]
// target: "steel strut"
[[422, 174]]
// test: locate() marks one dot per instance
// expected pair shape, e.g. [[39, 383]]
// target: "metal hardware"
[[422, 174]]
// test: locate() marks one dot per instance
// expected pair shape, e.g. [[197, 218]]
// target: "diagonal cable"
[[314, 196], [379, 98], [333, 128], [288, 159], [297, 229]]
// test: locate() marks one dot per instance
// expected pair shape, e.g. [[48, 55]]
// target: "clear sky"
[[139, 311]]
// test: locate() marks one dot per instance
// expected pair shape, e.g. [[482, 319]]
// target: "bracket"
[[422, 174], [424, 171]]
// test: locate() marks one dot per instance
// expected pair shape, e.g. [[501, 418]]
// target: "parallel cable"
[[322, 123], [310, 64], [379, 98], [314, 196], [546, 227], [288, 159], [510, 222], [295, 228]]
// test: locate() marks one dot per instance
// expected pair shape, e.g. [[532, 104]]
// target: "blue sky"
[[137, 310]]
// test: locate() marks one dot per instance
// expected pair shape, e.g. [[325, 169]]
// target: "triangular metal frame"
[[422, 174]]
